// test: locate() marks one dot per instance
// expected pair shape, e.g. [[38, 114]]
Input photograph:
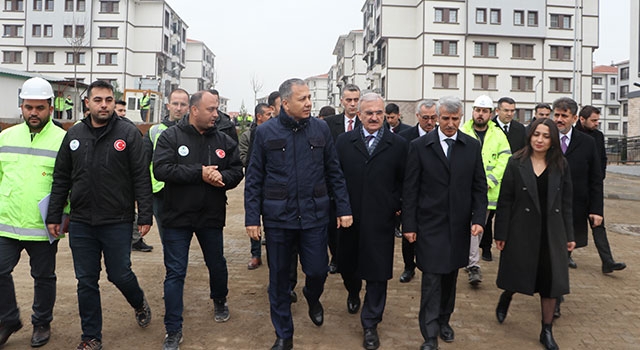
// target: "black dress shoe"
[[407, 276], [556, 310], [7, 329], [40, 336], [333, 268], [430, 344], [503, 306], [371, 340], [353, 304], [316, 312], [446, 333], [283, 344], [572, 264], [486, 254], [293, 296], [546, 337], [614, 266]]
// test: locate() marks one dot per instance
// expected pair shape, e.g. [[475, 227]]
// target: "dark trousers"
[[487, 236], [375, 300], [158, 200], [602, 244], [312, 248], [437, 301], [69, 113], [88, 244], [332, 231], [256, 248], [408, 254], [348, 247], [144, 113], [42, 258], [175, 245]]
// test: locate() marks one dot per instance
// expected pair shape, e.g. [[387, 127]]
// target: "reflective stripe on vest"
[[29, 151], [154, 135]]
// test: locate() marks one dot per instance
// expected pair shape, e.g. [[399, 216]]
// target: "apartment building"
[[199, 71], [350, 67], [319, 89], [134, 44], [530, 50], [634, 70], [333, 90], [605, 82]]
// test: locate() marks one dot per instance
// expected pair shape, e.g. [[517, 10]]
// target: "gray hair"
[[286, 88], [451, 104], [350, 87], [426, 103], [369, 97]]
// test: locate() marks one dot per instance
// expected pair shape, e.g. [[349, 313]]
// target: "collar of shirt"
[[346, 122], [421, 131], [442, 136], [365, 133], [503, 124], [568, 136]]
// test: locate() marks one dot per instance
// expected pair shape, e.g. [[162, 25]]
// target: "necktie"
[[394, 130], [367, 142], [506, 129], [350, 126], [564, 144], [450, 144]]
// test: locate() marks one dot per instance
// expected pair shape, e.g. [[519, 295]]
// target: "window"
[[532, 18], [520, 83], [561, 53], [523, 115], [12, 31], [79, 31], [624, 73], [446, 48], [383, 56], [613, 127], [108, 33], [596, 80], [67, 31], [445, 80], [165, 44], [484, 82], [481, 15], [614, 111], [44, 57], [560, 85], [624, 91], [522, 51], [81, 5], [596, 96], [48, 5], [109, 6], [79, 58], [37, 5], [48, 30], [613, 81], [518, 18], [14, 5], [560, 21], [625, 109], [484, 49], [107, 58], [68, 5], [36, 31], [612, 96], [494, 16], [167, 19], [11, 56], [446, 15]]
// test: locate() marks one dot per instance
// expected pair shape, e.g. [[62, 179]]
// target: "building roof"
[[605, 69], [321, 76], [28, 75]]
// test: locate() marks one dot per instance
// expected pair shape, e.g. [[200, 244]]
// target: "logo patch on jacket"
[[74, 144], [120, 145], [220, 153], [183, 150]]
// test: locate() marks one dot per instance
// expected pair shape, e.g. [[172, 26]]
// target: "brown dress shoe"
[[254, 263]]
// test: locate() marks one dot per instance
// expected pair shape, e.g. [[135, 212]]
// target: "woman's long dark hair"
[[554, 156]]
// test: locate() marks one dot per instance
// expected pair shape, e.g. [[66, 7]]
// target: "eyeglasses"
[[429, 117]]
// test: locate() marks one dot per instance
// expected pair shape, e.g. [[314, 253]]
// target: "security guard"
[[27, 157], [145, 104]]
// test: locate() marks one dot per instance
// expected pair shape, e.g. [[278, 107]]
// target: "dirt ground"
[[601, 313]]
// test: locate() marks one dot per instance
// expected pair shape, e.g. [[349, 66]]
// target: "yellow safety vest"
[[154, 134]]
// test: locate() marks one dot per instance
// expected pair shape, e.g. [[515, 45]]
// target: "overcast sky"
[[280, 39]]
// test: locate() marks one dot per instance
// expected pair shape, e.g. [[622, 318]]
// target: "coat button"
[[527, 210], [557, 210], [524, 188]]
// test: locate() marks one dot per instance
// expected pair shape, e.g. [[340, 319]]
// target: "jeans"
[[158, 199], [42, 257], [88, 244], [256, 248], [175, 245]]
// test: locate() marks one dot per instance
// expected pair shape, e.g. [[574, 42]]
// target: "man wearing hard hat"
[[495, 155], [27, 157]]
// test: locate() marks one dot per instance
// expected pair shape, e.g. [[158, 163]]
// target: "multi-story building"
[[605, 83], [318, 88], [134, 45], [199, 70], [350, 68], [333, 91], [634, 70], [532, 51]]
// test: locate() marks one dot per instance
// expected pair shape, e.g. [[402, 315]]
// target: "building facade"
[[634, 70], [532, 51], [350, 67], [199, 71], [319, 89], [605, 94]]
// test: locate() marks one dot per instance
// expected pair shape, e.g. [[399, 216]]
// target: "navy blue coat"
[[292, 168]]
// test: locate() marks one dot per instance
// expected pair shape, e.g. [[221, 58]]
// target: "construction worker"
[[27, 157], [68, 106], [59, 105], [145, 104]]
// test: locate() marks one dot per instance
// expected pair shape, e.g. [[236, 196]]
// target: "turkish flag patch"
[[120, 145], [220, 153]]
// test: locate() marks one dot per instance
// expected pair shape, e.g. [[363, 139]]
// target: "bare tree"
[[78, 41], [256, 86]]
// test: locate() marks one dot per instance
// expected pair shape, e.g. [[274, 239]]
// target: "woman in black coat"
[[534, 225]]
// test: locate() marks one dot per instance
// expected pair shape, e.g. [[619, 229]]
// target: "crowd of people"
[[331, 192]]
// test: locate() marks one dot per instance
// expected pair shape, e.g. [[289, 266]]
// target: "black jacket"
[[225, 125], [517, 135], [105, 174], [180, 153], [148, 142], [598, 136]]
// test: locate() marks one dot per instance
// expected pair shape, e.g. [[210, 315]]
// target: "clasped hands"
[[212, 176]]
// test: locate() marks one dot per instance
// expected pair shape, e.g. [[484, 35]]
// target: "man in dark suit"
[[339, 124], [427, 117], [393, 119], [373, 161], [516, 135], [445, 190]]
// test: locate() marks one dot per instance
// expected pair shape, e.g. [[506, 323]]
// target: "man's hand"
[[499, 245], [54, 229], [595, 219], [476, 229], [571, 245], [253, 232], [410, 236], [144, 229], [345, 221], [212, 176]]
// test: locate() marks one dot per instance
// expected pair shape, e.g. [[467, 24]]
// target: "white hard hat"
[[36, 89], [483, 101]]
